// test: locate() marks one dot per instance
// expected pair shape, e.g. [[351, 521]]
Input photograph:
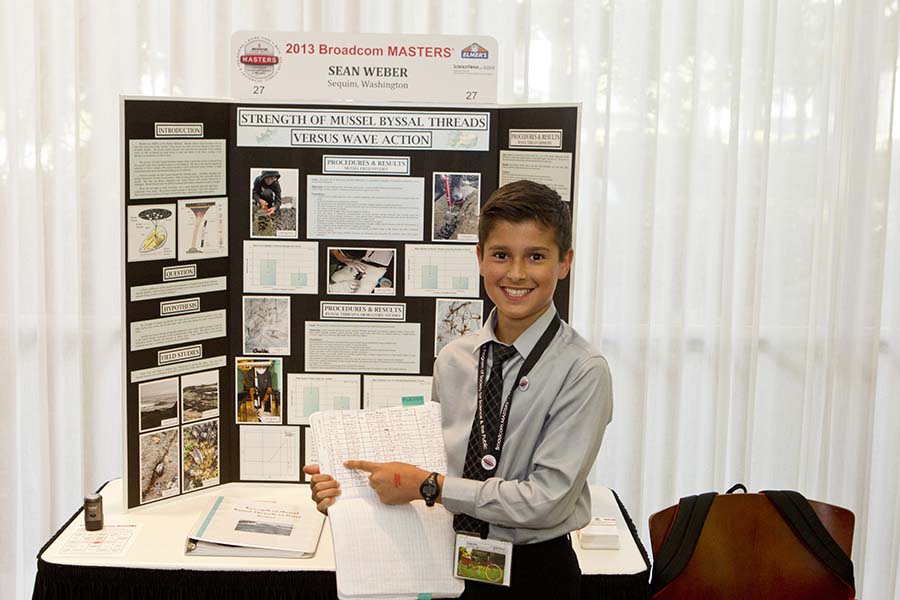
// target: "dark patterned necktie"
[[472, 469]]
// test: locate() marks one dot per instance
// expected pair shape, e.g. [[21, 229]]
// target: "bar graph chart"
[[281, 267], [311, 393], [382, 391], [438, 270]]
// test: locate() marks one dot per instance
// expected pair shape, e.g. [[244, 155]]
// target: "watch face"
[[429, 489]]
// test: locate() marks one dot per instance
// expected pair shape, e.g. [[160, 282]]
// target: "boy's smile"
[[520, 264]]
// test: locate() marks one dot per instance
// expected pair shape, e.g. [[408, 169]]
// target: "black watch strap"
[[430, 489]]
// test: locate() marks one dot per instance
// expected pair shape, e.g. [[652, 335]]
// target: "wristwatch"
[[430, 489]]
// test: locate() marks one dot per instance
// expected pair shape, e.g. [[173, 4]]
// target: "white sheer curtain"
[[736, 253]]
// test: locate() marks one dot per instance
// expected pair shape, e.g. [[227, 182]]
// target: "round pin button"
[[488, 462], [523, 384]]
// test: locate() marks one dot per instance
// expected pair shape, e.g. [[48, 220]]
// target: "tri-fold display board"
[[286, 258]]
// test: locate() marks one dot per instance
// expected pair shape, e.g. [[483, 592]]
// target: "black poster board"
[[189, 158]]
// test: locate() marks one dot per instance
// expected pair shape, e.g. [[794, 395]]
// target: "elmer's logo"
[[474, 50], [259, 59]]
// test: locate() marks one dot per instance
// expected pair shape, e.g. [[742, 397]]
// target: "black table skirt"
[[65, 582], [70, 582]]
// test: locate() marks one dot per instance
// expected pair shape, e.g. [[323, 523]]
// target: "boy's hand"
[[323, 487], [394, 482]]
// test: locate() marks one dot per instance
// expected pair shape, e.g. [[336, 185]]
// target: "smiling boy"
[[521, 440]]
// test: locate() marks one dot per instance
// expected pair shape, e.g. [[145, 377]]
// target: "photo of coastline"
[[159, 403]]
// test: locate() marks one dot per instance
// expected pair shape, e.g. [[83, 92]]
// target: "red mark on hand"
[[396, 479]]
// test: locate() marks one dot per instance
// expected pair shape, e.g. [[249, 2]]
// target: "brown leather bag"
[[771, 545]]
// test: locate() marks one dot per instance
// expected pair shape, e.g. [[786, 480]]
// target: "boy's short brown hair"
[[525, 200]]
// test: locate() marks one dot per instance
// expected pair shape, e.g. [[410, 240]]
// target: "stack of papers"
[[601, 532], [383, 551], [234, 527]]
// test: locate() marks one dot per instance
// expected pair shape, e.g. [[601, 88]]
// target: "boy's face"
[[268, 180], [520, 264]]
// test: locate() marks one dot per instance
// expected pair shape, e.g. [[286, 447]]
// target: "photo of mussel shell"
[[160, 475], [200, 454]]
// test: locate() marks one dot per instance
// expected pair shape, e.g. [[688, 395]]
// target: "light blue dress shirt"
[[555, 427]]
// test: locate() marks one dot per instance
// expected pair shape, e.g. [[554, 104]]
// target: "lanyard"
[[490, 462]]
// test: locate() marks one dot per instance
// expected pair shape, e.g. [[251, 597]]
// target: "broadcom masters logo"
[[259, 59], [474, 50]]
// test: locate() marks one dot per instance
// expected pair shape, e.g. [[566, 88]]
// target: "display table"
[[155, 565]]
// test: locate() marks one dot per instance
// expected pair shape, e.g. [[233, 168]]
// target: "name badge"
[[487, 561]]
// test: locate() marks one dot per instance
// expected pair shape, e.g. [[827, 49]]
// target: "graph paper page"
[[404, 434], [393, 551]]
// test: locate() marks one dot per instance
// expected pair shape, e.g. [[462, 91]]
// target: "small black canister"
[[93, 512]]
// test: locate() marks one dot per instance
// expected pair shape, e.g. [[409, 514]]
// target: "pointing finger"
[[362, 465]]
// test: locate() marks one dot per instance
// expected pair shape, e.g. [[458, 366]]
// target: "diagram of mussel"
[[158, 235]]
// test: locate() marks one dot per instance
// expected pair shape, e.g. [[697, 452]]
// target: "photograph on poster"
[[281, 267], [310, 393], [456, 203], [270, 453], [159, 464], [361, 271], [159, 403], [200, 455], [383, 391], [258, 390], [455, 318], [267, 325], [202, 228], [273, 202], [199, 396], [441, 270], [151, 232]]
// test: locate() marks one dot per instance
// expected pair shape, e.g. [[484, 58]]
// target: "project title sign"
[[433, 130], [283, 65]]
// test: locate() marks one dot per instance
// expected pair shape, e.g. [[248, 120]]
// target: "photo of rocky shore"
[[199, 396], [200, 454], [159, 464]]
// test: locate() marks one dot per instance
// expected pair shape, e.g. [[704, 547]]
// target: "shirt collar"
[[526, 342]]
